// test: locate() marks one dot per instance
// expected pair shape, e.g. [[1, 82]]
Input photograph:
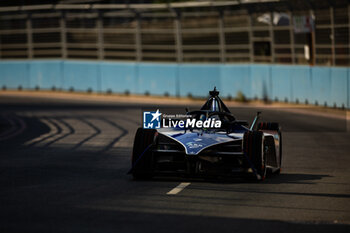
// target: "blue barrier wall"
[[116, 77], [81, 76], [234, 79], [14, 74], [261, 83], [339, 89], [156, 79], [197, 80], [321, 85], [45, 74]]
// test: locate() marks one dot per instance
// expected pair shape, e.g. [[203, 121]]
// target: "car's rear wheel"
[[253, 147], [141, 155], [280, 153], [273, 126]]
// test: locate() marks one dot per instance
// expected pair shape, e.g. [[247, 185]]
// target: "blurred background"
[[275, 38], [76, 75]]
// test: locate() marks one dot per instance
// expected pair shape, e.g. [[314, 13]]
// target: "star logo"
[[151, 120], [155, 115]]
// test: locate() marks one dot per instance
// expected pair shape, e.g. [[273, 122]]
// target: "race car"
[[232, 149]]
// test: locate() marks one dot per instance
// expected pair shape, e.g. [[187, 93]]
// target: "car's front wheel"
[[141, 155]]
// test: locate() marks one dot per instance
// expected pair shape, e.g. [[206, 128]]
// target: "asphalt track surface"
[[63, 168]]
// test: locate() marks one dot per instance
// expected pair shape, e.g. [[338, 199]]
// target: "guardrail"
[[304, 84]]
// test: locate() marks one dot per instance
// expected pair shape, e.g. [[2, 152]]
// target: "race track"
[[63, 168]]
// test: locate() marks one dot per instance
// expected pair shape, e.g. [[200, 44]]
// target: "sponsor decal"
[[191, 123], [151, 120], [193, 145], [156, 120]]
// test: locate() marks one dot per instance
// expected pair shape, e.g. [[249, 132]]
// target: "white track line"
[[22, 127], [53, 131], [178, 189], [56, 137]]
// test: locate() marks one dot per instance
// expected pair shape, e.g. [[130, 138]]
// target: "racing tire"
[[273, 126], [253, 143], [280, 152], [142, 162]]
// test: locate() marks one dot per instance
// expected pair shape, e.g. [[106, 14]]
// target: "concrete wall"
[[321, 85]]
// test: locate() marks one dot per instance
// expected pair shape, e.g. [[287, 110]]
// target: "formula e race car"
[[198, 150]]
